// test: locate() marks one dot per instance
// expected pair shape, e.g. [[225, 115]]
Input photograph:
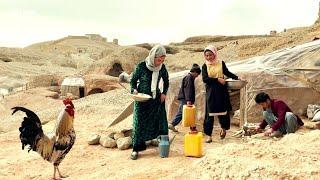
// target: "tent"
[[288, 74]]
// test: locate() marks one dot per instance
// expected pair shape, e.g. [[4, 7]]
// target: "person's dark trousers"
[[178, 116], [224, 121]]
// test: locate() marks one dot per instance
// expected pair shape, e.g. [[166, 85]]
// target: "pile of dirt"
[[296, 156]]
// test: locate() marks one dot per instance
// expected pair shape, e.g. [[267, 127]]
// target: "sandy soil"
[[252, 158]]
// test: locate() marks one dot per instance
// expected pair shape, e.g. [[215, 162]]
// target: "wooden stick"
[[242, 106]]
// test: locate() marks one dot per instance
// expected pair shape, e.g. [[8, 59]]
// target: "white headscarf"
[[156, 51]]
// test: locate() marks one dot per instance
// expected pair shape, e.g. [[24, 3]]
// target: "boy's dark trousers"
[[178, 116]]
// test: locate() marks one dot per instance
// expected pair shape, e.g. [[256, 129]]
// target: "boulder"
[[94, 139], [154, 142], [125, 77], [107, 142], [124, 143], [110, 134], [148, 143], [127, 132], [118, 135]]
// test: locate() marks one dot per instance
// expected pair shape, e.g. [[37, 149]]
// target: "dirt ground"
[[295, 156]]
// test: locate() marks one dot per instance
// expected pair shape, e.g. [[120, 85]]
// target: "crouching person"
[[277, 115]]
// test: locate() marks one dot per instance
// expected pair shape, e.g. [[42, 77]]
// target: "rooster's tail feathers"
[[31, 130], [30, 114]]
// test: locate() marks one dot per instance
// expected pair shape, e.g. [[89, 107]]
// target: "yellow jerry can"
[[189, 116], [193, 145]]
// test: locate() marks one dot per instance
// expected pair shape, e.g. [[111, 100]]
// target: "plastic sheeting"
[[73, 82], [288, 74]]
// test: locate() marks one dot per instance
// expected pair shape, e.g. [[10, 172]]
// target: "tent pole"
[[243, 104]]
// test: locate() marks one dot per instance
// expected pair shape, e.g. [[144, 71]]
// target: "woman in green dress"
[[149, 118]]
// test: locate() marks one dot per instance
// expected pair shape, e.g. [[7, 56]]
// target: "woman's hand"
[[163, 98], [221, 81]]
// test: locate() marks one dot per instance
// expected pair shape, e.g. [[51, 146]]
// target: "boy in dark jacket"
[[186, 95]]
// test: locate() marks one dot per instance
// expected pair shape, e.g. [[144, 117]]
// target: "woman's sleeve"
[[205, 78], [135, 78], [227, 72], [165, 78]]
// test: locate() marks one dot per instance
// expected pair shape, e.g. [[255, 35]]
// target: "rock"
[[107, 142], [125, 77], [94, 139], [127, 133], [110, 134], [118, 135], [124, 143], [154, 142], [148, 143]]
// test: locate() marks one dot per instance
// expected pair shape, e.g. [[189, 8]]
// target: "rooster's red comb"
[[68, 101]]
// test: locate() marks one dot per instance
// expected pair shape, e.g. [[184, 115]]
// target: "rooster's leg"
[[54, 173], [61, 176]]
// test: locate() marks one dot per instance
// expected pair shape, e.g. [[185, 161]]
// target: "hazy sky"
[[23, 22]]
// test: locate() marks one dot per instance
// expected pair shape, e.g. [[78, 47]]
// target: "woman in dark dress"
[[149, 118], [217, 96]]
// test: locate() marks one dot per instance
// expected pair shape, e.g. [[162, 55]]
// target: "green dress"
[[149, 118]]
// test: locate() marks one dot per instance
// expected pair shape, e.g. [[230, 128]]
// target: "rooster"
[[52, 149]]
